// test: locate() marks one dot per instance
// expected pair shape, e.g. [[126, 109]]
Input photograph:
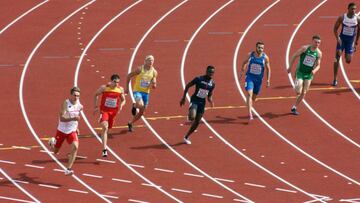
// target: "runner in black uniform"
[[204, 86]]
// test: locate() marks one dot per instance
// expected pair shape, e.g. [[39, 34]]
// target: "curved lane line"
[[270, 127], [21, 99], [23, 15], [18, 186], [152, 129], [292, 82], [212, 129], [84, 116]]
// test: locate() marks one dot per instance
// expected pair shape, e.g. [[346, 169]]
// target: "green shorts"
[[304, 76]]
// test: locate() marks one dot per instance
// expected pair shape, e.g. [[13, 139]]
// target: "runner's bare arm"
[[244, 65], [123, 100], [190, 84], [296, 54], [135, 72], [336, 28], [268, 71], [96, 97], [154, 79], [358, 30], [318, 62]]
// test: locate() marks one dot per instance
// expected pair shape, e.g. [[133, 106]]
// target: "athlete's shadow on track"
[[158, 146], [31, 180], [65, 160]]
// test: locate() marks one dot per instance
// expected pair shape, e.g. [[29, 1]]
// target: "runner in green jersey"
[[309, 64]]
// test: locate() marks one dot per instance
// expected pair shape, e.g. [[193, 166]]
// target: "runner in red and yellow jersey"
[[112, 101]]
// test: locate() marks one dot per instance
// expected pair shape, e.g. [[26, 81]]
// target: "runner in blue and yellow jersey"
[[145, 79], [256, 63], [309, 64], [348, 37], [204, 86], [112, 101]]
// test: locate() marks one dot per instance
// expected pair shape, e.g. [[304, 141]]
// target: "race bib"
[[255, 69], [202, 93], [144, 83], [348, 31], [309, 61], [110, 102]]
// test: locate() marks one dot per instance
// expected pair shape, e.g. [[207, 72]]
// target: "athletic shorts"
[[199, 106], [143, 96], [304, 76], [108, 116], [253, 84], [346, 44], [60, 137]]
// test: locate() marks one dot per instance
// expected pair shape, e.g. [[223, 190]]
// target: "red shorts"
[[60, 137], [108, 116]]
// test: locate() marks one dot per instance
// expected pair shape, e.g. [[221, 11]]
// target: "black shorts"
[[199, 106]]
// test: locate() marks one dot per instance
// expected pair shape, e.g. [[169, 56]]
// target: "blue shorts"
[[142, 96], [253, 84], [346, 44], [199, 106]]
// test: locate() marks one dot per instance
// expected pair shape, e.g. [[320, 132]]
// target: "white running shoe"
[[187, 141], [68, 172], [52, 142]]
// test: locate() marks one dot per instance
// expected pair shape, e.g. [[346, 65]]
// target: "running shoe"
[[104, 153], [68, 172], [52, 142], [187, 141], [130, 127], [334, 83], [294, 111]]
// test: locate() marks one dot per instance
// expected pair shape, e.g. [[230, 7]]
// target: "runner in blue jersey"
[[350, 28], [204, 86], [255, 63]]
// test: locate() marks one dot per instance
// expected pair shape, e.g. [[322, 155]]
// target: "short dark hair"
[[351, 5], [210, 68], [74, 89], [115, 77], [316, 37], [259, 42]]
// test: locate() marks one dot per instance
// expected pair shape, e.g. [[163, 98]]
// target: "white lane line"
[[83, 114], [285, 190], [311, 109], [214, 196], [239, 200], [150, 185], [255, 185], [137, 201], [91, 175], [305, 102], [21, 97], [20, 147], [58, 170], [106, 161], [47, 152], [225, 180], [20, 181], [144, 119], [18, 186], [353, 200], [48, 186], [347, 80], [7, 162], [15, 199], [34, 166], [23, 15], [164, 170], [110, 196], [1, 144], [180, 190], [193, 175], [137, 166], [78, 191], [121, 180]]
